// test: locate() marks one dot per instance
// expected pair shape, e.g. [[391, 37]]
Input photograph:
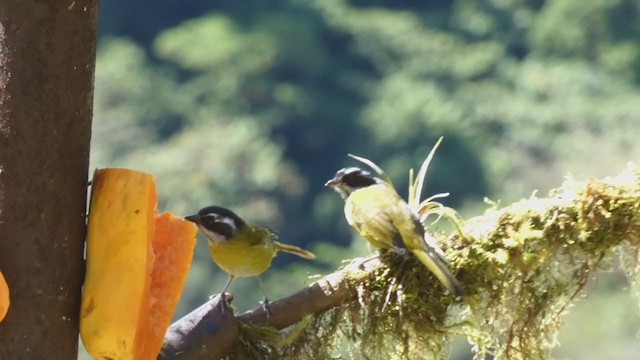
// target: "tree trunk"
[[47, 60]]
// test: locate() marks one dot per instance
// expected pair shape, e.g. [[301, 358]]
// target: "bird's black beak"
[[193, 218], [331, 183]]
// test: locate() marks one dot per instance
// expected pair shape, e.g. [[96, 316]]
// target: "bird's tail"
[[439, 269], [294, 250]]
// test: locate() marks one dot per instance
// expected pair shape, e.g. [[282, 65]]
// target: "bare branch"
[[327, 292], [205, 333]]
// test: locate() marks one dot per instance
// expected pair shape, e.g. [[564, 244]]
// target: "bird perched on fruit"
[[239, 248], [374, 208]]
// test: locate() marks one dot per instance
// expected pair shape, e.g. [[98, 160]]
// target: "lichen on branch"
[[521, 267]]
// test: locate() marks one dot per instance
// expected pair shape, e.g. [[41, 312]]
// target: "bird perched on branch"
[[377, 212], [239, 248]]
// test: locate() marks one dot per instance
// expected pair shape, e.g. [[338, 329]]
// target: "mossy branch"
[[520, 265]]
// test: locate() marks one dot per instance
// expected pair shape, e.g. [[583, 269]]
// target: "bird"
[[239, 248], [380, 215]]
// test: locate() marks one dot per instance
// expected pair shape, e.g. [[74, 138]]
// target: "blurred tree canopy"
[[254, 105]]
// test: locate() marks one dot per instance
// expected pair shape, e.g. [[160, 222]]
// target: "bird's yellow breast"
[[240, 258], [248, 253]]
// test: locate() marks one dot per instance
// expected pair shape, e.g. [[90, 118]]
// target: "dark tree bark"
[[47, 60], [206, 333]]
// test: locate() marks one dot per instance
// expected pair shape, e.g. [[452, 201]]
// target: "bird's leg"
[[266, 306], [224, 304]]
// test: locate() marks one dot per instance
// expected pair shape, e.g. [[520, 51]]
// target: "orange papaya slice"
[[137, 263], [4, 297]]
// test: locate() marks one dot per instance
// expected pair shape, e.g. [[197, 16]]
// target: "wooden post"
[[47, 60]]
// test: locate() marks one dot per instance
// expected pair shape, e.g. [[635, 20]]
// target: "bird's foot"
[[366, 260], [401, 251], [224, 304], [266, 306]]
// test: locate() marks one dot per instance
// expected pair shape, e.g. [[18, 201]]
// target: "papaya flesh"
[[137, 263], [4, 297]]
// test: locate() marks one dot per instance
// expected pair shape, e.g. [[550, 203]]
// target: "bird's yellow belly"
[[241, 259]]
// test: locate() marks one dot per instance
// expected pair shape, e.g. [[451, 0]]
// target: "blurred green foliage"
[[253, 105]]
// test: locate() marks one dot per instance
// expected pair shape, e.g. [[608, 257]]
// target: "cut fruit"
[[137, 263], [173, 246], [4, 297]]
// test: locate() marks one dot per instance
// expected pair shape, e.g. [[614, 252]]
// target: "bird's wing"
[[387, 221], [370, 211], [413, 236], [261, 235]]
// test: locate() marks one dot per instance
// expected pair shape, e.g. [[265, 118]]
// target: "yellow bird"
[[239, 248], [374, 208]]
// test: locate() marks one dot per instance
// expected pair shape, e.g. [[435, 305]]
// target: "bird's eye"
[[218, 224], [208, 221]]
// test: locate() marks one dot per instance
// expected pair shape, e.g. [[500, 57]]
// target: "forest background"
[[253, 105]]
